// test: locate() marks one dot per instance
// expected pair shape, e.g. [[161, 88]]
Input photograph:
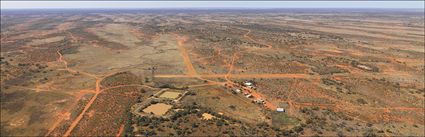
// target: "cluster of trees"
[[191, 93], [152, 123], [182, 116], [2, 61], [121, 78], [30, 66], [128, 126], [178, 121], [320, 120], [171, 86]]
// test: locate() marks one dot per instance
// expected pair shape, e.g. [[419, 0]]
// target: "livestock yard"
[[170, 95], [157, 109], [269, 72]]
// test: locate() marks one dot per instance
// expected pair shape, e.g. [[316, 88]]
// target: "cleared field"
[[157, 109], [170, 95]]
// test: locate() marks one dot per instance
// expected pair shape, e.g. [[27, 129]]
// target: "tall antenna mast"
[[153, 72]]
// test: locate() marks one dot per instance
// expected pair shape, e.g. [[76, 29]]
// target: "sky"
[[210, 4]]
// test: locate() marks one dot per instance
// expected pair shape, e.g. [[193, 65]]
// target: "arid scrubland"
[[223, 72]]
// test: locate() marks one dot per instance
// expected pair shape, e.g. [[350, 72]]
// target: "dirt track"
[[248, 37], [303, 76], [190, 69], [120, 131], [192, 73], [80, 116], [97, 92]]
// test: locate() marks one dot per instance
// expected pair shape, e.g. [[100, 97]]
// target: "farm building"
[[249, 96], [248, 83], [282, 106], [280, 110]]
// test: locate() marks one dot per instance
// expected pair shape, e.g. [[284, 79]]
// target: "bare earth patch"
[[157, 109], [169, 94]]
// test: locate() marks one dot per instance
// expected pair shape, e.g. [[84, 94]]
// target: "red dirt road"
[[80, 116], [120, 130], [190, 69], [248, 37], [303, 76]]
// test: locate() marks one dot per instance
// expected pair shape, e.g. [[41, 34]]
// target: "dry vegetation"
[[79, 73]]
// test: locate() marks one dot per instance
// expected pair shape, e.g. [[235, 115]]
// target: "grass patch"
[[282, 119], [70, 50]]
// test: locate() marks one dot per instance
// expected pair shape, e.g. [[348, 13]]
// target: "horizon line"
[[211, 4], [227, 8]]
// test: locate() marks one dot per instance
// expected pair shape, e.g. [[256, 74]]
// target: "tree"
[[219, 123], [142, 90], [232, 107], [369, 133], [194, 125], [340, 134], [298, 129]]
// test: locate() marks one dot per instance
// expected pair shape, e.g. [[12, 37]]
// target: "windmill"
[[153, 72], [152, 69]]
